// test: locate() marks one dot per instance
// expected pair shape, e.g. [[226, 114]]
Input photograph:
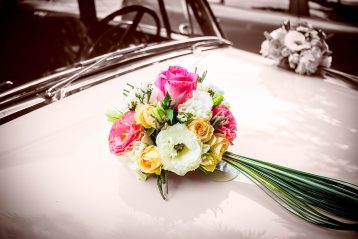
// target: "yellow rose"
[[218, 145], [209, 162], [202, 129], [144, 115], [149, 160]]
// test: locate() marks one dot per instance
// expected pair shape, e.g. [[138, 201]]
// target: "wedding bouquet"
[[299, 47], [179, 124]]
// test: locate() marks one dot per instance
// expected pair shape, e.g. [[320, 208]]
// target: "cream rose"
[[149, 160], [202, 129], [180, 149], [144, 115]]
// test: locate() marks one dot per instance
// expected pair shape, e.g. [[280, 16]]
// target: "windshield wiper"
[[211, 43], [56, 92]]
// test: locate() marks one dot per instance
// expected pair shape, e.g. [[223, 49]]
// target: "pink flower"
[[124, 133], [178, 82], [228, 125]]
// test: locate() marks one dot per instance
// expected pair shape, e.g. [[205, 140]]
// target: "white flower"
[[296, 41], [278, 34], [139, 94], [198, 107], [272, 49], [215, 90], [293, 60], [309, 61], [180, 149], [285, 52], [265, 45], [326, 61]]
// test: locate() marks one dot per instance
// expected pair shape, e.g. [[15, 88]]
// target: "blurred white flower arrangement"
[[299, 47]]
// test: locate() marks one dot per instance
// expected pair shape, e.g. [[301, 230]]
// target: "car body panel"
[[59, 180]]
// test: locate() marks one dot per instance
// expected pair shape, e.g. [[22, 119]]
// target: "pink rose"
[[124, 133], [228, 125], [178, 82]]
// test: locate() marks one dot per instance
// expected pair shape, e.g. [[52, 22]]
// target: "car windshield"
[[41, 37]]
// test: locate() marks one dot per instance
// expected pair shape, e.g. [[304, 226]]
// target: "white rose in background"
[[299, 47], [273, 46], [326, 61], [296, 41]]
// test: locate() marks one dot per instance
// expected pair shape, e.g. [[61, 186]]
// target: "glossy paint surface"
[[59, 180]]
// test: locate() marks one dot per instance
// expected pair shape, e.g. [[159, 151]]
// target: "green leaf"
[[159, 113], [150, 131], [287, 25], [160, 186], [170, 114], [162, 180], [202, 77], [166, 101], [114, 115], [217, 100]]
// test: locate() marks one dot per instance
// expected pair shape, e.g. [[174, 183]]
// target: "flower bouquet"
[[178, 124], [299, 47]]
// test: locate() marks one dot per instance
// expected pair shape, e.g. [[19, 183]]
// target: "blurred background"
[[33, 43]]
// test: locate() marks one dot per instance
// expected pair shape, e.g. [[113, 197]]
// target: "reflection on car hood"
[[58, 177]]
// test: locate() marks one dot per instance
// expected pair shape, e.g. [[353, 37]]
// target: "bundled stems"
[[323, 201]]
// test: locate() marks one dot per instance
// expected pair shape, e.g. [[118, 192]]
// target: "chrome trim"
[[21, 106], [6, 83]]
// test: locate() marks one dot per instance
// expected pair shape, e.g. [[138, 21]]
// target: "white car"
[[58, 178]]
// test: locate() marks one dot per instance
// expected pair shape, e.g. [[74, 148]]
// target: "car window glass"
[[264, 5], [106, 7], [182, 18], [146, 19], [69, 6]]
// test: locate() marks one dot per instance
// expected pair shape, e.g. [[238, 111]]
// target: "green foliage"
[[217, 100], [287, 25], [202, 77], [162, 180], [150, 131], [323, 201], [166, 101], [170, 114], [166, 111], [114, 115]]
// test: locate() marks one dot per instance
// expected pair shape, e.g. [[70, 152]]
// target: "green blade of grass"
[[323, 201]]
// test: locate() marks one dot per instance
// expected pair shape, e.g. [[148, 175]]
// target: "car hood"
[[59, 180]]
